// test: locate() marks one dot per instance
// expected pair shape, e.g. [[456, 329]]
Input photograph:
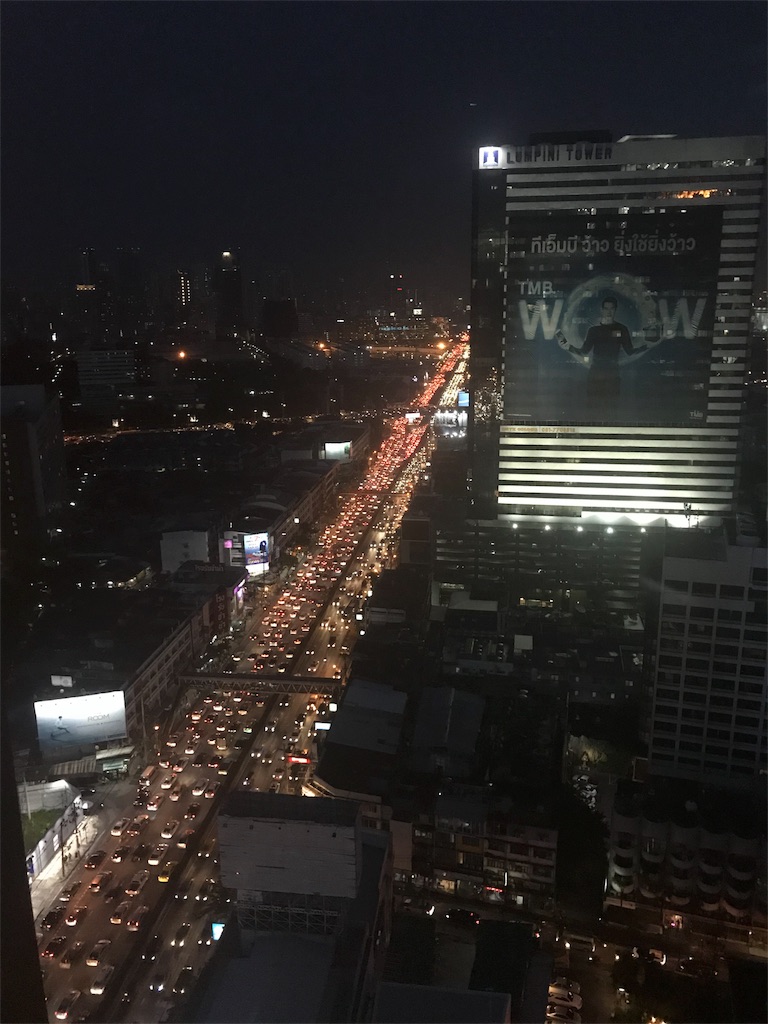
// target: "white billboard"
[[79, 721], [338, 450]]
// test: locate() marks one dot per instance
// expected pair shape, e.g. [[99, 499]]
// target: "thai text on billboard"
[[610, 318], [67, 723]]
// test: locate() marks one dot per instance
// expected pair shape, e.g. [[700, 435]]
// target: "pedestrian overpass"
[[267, 685]]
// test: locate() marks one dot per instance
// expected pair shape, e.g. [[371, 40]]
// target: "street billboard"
[[256, 547], [610, 317], [69, 722]]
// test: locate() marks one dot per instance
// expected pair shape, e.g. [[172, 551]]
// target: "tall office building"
[[228, 290], [611, 292], [612, 287]]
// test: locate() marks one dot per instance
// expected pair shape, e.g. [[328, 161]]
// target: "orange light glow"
[[182, 354]]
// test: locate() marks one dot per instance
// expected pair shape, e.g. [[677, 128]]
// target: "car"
[[155, 802], [182, 984], [697, 969], [182, 892], [215, 761], [169, 828], [72, 955], [95, 859], [212, 790], [152, 948], [196, 714], [165, 761], [199, 760], [562, 1014], [120, 854], [53, 918], [206, 891], [651, 956], [208, 849], [225, 767], [140, 853], [180, 765], [566, 984], [100, 882], [181, 934], [184, 839], [247, 779], [165, 872], [67, 1004], [54, 947], [172, 740], [138, 824], [66, 894], [569, 999], [141, 800], [156, 983], [120, 912], [113, 895], [458, 915], [120, 826], [157, 854], [190, 748], [97, 953], [166, 783], [271, 725], [76, 916], [199, 787], [135, 920], [278, 774], [176, 791], [101, 980], [137, 883]]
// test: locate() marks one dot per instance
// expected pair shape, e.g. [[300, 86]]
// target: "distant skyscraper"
[[228, 290], [183, 292]]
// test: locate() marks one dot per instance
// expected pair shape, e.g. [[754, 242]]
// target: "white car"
[[167, 782], [170, 829], [157, 854], [94, 957], [155, 802], [566, 985], [562, 1015], [199, 787], [120, 826], [67, 1005], [569, 999], [101, 980], [120, 912]]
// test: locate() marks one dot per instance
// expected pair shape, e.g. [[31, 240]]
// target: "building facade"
[[709, 711]]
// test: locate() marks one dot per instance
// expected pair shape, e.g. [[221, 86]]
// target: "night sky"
[[331, 140]]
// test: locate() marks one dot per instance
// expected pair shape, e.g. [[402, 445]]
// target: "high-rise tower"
[[611, 293]]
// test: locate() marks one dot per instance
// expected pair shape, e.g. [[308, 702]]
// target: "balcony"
[[681, 857], [737, 909], [741, 869], [709, 887]]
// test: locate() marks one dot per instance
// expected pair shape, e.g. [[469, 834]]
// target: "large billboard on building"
[[337, 450], [68, 722], [256, 553], [610, 316]]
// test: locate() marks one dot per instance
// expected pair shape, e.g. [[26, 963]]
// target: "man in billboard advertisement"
[[610, 318], [68, 722], [256, 553]]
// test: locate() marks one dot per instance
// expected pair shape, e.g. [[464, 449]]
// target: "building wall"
[[710, 697], [550, 465], [182, 546]]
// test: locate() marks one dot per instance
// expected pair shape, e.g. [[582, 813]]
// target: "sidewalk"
[[45, 887]]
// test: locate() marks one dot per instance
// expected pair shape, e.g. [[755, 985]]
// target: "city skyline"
[[328, 141]]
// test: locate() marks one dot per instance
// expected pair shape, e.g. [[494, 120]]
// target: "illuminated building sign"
[[610, 318], [79, 721], [495, 157], [256, 553]]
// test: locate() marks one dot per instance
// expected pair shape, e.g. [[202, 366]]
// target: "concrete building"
[[324, 918], [578, 445], [710, 693]]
